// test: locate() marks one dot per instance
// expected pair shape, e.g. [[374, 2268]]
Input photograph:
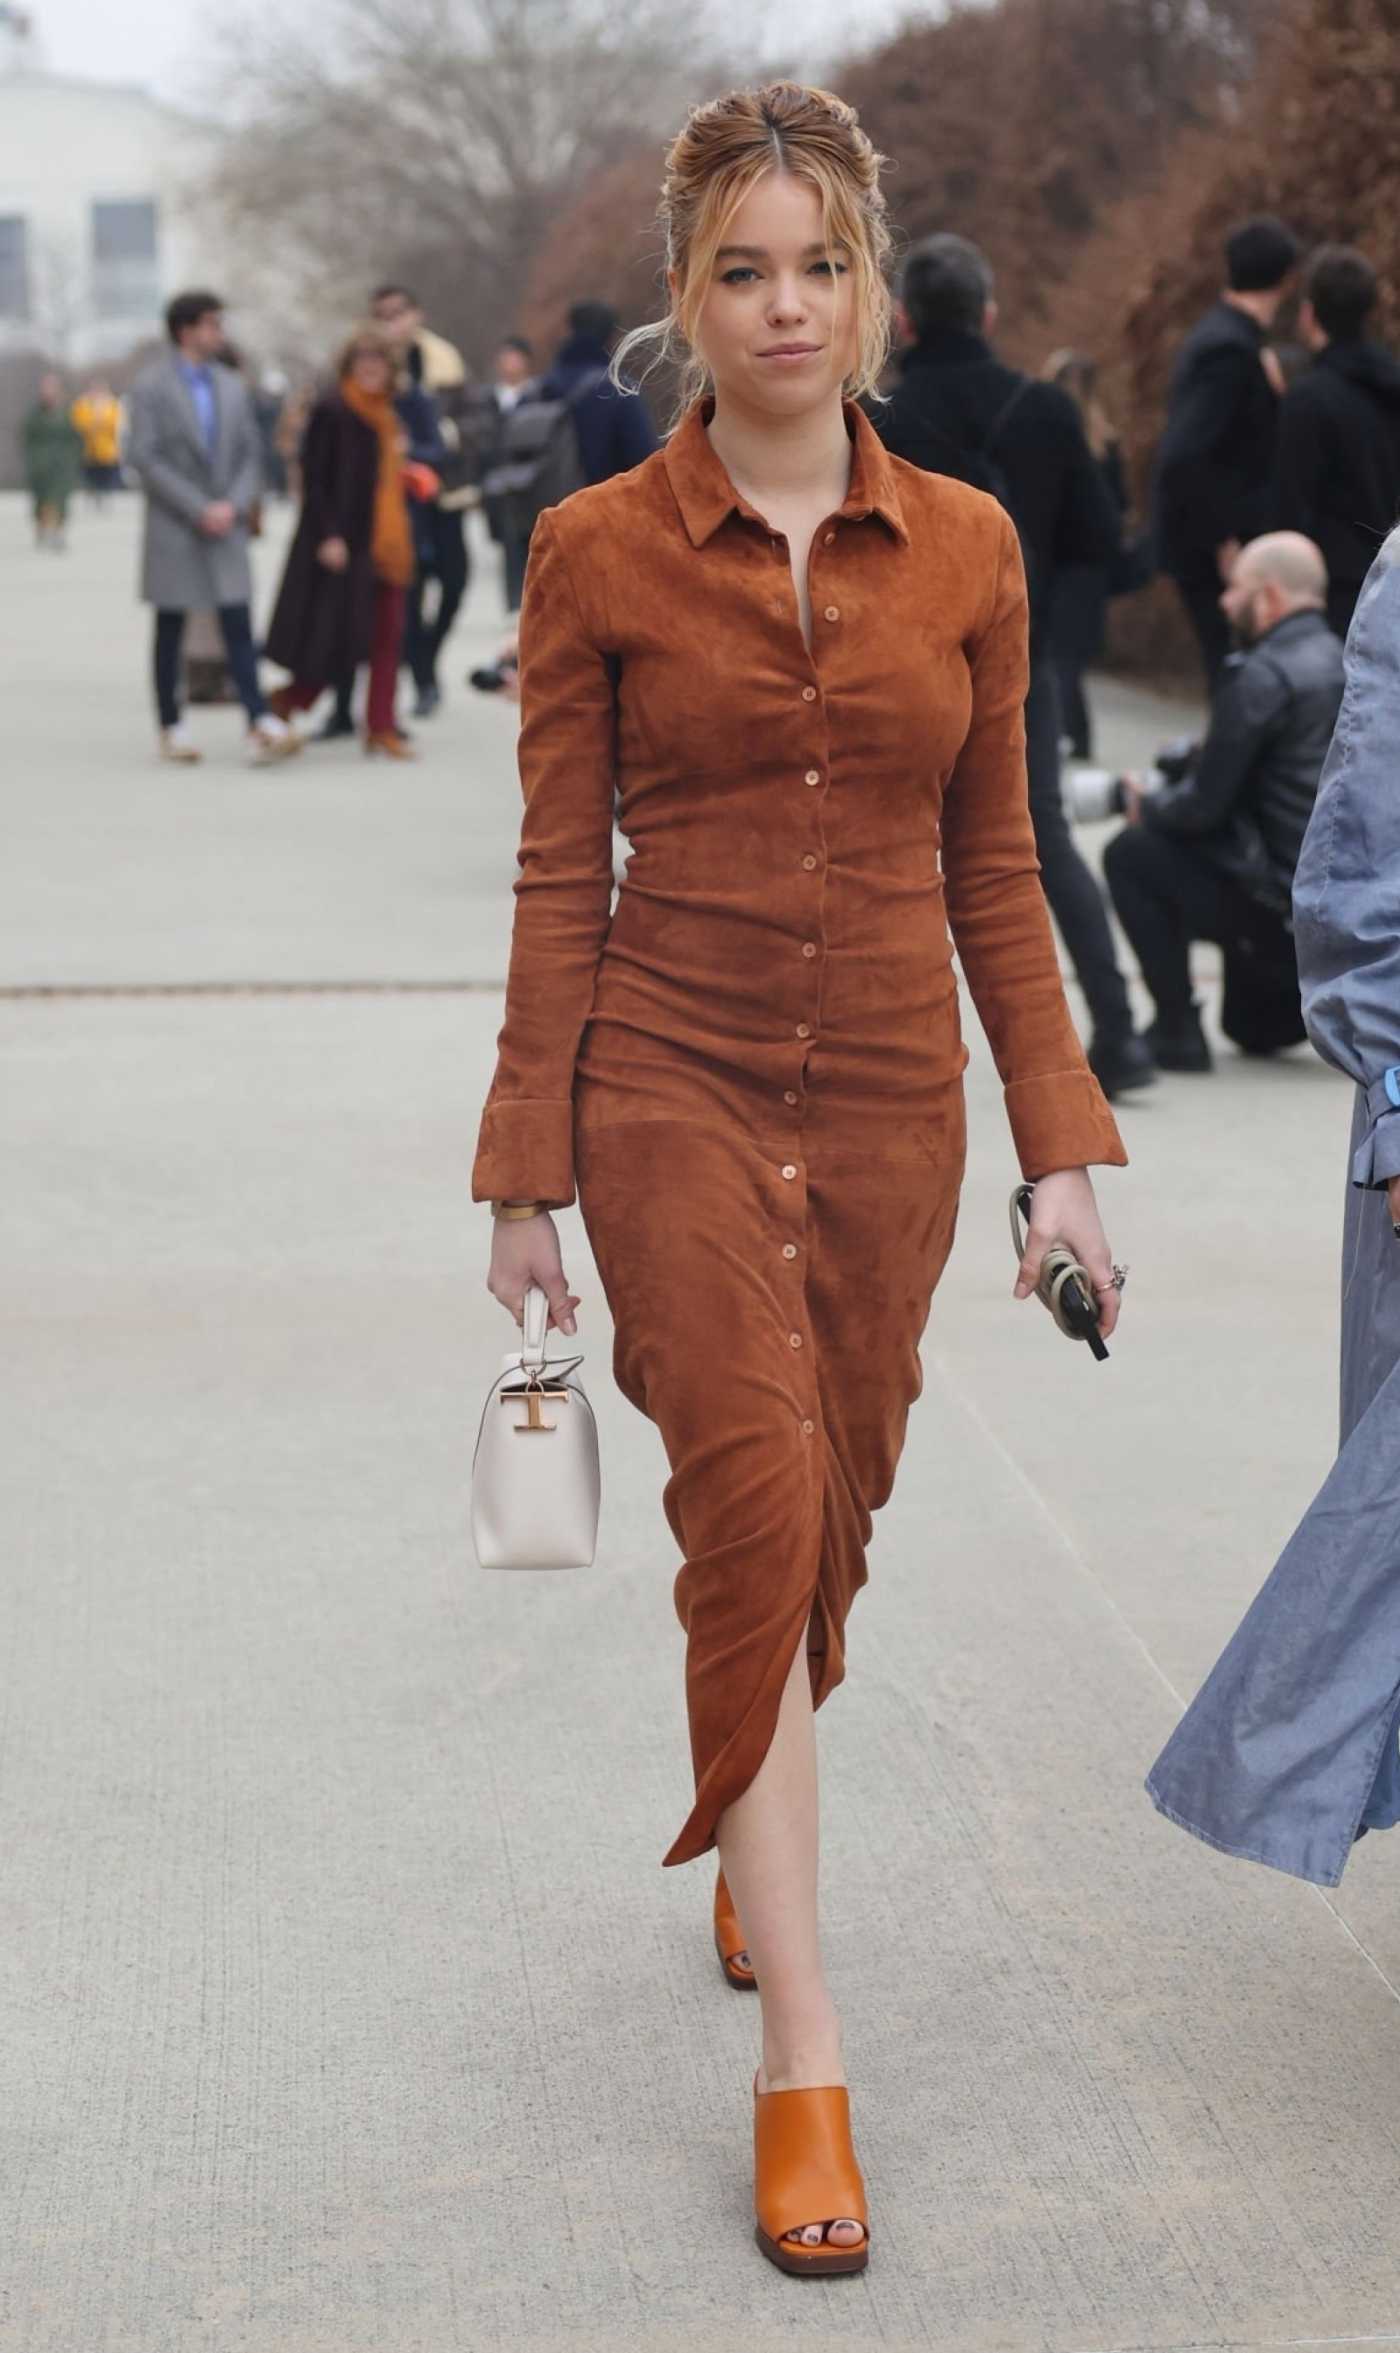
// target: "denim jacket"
[[1289, 1750], [1346, 893]]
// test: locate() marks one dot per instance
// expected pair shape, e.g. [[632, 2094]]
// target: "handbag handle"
[[536, 1324]]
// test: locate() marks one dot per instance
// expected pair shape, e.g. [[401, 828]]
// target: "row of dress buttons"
[[795, 1339], [813, 777]]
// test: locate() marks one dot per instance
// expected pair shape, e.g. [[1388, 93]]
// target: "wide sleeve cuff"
[[1378, 1155], [1062, 1121], [525, 1152]]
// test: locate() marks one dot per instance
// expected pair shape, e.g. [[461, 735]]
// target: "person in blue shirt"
[[193, 447]]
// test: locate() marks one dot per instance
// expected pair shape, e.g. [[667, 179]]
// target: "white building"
[[97, 228]]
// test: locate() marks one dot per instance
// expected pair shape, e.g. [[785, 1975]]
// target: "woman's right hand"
[[525, 1250], [334, 554]]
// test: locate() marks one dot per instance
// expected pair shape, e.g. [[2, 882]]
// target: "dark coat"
[[320, 627], [952, 393], [1080, 592], [615, 431], [1248, 798], [53, 455], [1338, 471], [1215, 460]]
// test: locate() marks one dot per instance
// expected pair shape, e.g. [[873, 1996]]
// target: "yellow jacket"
[[100, 424]]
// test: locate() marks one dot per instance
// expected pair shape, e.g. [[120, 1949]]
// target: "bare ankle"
[[802, 2050]]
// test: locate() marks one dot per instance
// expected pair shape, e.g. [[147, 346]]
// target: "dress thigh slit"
[[780, 1386]]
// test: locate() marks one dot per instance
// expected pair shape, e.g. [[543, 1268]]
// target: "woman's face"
[[370, 371], [778, 328]]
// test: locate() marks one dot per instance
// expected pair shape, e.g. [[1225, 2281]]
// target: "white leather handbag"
[[536, 1484]]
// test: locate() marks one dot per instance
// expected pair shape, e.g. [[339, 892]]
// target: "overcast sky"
[[158, 41]]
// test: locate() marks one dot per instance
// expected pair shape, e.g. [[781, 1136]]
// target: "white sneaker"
[[271, 739], [176, 744]]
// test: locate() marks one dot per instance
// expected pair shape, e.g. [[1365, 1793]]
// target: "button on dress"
[[749, 1071]]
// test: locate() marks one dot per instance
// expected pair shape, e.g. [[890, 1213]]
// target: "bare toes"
[[845, 2234]]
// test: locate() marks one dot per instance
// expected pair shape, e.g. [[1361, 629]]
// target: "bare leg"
[[768, 1843]]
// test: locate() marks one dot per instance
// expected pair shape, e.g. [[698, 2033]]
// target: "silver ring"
[[1115, 1281]]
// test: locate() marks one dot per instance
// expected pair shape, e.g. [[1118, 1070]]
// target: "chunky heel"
[[729, 1941]]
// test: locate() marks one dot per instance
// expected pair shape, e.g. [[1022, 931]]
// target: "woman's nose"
[[788, 300]]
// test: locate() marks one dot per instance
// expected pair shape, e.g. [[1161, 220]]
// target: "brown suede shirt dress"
[[749, 1073]]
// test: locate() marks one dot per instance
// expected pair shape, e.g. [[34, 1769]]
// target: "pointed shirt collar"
[[706, 496]]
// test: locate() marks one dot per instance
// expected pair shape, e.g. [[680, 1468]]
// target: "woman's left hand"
[[1063, 1209]]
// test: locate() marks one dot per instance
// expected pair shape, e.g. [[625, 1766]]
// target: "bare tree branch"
[[438, 135]]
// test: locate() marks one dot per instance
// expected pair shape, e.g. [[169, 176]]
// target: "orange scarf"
[[391, 540]]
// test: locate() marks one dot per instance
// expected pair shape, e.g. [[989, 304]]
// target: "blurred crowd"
[[385, 456], [1276, 479]]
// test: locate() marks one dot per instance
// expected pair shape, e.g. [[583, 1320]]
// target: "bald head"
[[1272, 577], [1293, 563]]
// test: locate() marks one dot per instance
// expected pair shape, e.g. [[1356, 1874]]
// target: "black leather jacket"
[[1249, 793]]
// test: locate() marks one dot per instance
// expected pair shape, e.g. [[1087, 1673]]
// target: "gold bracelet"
[[514, 1209]]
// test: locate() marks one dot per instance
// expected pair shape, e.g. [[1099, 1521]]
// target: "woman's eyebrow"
[[761, 253]]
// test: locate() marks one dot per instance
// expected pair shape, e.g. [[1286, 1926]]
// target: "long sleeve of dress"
[[996, 906], [563, 891], [1346, 892]]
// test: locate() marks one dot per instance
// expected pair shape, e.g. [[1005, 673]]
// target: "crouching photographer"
[[1213, 836]]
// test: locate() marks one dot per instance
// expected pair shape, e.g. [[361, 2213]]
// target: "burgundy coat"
[[320, 627]]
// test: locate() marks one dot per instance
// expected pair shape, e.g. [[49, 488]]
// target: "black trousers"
[[1075, 900], [1168, 893], [1075, 718], [236, 624], [514, 550], [447, 564], [1200, 595]]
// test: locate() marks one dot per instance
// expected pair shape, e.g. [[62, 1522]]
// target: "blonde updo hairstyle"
[[725, 149]]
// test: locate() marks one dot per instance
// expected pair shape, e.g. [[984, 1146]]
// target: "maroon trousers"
[[385, 650]]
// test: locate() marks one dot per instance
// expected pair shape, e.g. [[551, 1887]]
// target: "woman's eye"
[[833, 269], [735, 276]]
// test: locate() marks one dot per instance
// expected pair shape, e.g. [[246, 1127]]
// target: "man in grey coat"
[[1288, 1753], [193, 445]]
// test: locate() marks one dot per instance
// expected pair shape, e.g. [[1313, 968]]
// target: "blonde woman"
[[802, 664]]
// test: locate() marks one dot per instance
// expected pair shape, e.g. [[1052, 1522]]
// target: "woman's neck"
[[784, 457]]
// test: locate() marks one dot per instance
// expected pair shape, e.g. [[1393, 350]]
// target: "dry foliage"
[[505, 155], [1020, 124]]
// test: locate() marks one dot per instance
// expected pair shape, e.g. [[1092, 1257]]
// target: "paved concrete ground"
[[344, 2007]]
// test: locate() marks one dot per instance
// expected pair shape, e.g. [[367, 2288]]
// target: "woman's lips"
[[791, 354]]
